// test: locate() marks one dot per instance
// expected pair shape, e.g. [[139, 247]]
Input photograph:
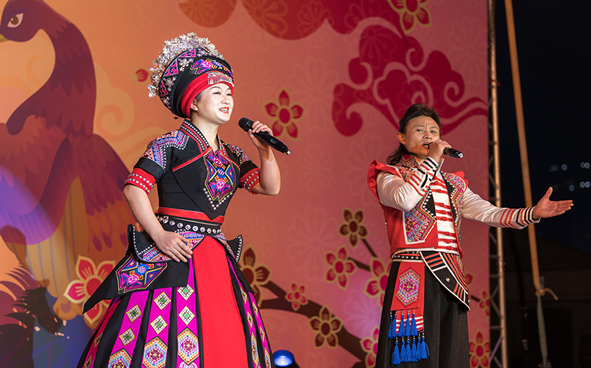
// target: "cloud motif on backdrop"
[[392, 71]]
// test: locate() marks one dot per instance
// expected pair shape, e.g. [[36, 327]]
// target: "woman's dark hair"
[[418, 109]]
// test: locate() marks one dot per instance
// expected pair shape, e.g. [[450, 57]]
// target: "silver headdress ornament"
[[173, 48]]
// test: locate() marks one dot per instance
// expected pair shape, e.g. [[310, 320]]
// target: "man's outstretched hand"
[[547, 208]]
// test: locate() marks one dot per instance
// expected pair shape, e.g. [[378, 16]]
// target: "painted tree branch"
[[373, 254], [361, 265], [348, 341]]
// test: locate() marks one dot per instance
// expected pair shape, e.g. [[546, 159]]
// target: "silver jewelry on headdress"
[[173, 48]]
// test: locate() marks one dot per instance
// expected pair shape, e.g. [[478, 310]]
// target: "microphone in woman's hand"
[[246, 125]]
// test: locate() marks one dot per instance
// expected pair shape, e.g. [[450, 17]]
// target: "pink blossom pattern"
[[370, 346], [327, 326], [376, 286], [340, 267], [412, 12], [296, 296], [479, 352], [286, 115], [89, 279], [256, 275], [353, 228], [484, 303]]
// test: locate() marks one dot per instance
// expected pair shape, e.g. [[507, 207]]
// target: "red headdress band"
[[200, 84]]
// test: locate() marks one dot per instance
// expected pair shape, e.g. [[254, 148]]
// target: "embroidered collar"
[[196, 134], [408, 161]]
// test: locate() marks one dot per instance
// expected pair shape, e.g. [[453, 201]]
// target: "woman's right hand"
[[173, 245]]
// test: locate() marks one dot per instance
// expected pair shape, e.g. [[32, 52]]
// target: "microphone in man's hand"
[[450, 152], [246, 125]]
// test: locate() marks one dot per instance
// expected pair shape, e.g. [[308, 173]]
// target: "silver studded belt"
[[179, 223]]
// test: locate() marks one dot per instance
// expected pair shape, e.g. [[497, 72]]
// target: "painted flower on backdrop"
[[142, 75], [340, 267], [89, 279], [256, 275], [286, 115], [311, 16], [370, 346], [296, 296], [479, 352], [469, 277], [412, 12], [269, 15], [484, 303], [327, 326], [353, 227], [376, 286]]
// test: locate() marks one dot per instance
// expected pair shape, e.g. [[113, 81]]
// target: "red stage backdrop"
[[332, 78]]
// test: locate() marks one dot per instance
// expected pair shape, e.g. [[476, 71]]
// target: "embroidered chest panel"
[[419, 221], [220, 181]]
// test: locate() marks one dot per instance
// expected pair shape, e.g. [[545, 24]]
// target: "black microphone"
[[246, 125], [450, 152]]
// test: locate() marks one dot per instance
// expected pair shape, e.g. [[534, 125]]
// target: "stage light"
[[284, 358]]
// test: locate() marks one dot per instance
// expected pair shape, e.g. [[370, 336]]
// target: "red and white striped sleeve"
[[394, 192], [478, 209]]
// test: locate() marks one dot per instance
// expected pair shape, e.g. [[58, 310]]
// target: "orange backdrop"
[[332, 78]]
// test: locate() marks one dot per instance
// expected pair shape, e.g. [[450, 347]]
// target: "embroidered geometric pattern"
[[188, 346], [97, 340], [186, 315], [155, 354], [418, 222], [119, 360], [88, 361], [262, 334], [408, 288], [255, 350], [250, 319], [162, 300], [134, 275], [156, 150], [220, 181], [456, 196], [186, 292], [203, 65], [449, 272], [238, 152], [127, 336], [158, 324], [195, 134], [222, 239], [153, 254], [134, 313]]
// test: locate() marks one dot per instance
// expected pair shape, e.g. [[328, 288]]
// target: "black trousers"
[[446, 327]]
